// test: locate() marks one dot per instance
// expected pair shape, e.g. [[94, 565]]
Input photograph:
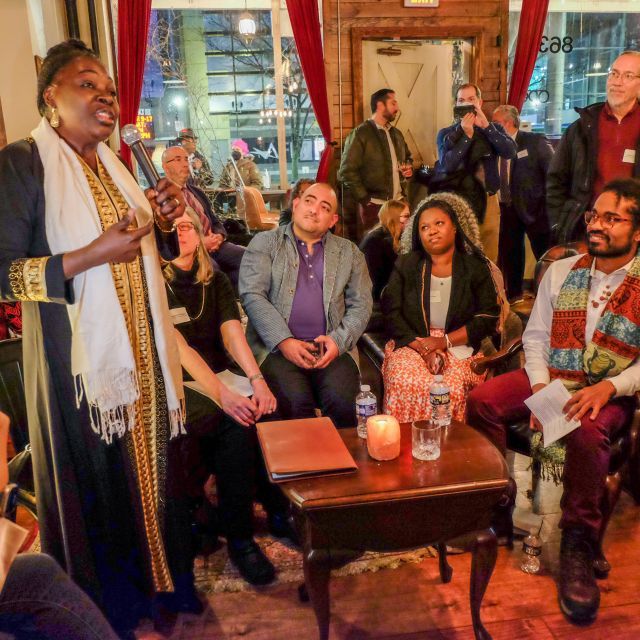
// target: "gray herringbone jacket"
[[268, 277]]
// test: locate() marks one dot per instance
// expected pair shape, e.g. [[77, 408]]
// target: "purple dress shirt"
[[307, 320]]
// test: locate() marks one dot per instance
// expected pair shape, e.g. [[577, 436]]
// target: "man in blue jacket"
[[468, 154]]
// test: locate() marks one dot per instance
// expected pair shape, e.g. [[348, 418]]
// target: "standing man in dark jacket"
[[602, 145], [522, 197], [376, 162], [468, 152]]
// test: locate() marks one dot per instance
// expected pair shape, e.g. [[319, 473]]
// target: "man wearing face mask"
[[246, 168]]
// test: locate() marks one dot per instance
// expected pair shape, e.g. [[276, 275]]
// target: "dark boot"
[[252, 564], [578, 591]]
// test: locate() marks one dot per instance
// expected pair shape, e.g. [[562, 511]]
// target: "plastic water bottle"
[[440, 400], [366, 405], [532, 548]]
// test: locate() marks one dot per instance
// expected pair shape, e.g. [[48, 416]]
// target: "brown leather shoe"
[[578, 591]]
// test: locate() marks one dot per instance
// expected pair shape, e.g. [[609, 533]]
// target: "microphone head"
[[130, 134]]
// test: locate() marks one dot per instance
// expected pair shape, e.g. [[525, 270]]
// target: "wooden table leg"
[[485, 552], [445, 568], [317, 571]]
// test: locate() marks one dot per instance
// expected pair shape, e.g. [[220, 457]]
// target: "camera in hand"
[[460, 111]]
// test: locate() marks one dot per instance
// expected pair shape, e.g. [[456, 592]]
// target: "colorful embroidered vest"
[[616, 339]]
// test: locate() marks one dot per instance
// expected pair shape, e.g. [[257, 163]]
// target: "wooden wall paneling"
[[418, 31]]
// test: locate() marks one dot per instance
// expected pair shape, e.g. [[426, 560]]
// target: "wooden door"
[[422, 75]]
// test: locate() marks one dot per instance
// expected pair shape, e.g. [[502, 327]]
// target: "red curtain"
[[133, 27], [305, 22], [532, 19]]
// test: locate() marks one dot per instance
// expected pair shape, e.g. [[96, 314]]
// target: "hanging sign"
[[421, 3]]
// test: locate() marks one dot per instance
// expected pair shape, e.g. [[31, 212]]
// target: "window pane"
[[202, 74], [576, 51]]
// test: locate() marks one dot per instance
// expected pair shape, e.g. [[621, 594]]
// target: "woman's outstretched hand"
[[119, 243]]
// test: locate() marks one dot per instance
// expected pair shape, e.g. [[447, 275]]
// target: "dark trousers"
[[299, 391], [228, 257], [511, 249], [217, 445], [40, 601], [499, 402]]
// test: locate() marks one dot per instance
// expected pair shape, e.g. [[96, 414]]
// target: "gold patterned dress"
[[103, 509]]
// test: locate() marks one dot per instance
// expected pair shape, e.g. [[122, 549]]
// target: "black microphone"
[[167, 242], [131, 136]]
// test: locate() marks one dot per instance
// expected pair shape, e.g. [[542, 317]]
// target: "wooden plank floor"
[[410, 603]]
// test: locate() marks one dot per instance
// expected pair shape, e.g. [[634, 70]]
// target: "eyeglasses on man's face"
[[607, 220], [627, 76], [185, 226]]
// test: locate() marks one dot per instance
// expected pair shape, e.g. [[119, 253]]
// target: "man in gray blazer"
[[307, 294]]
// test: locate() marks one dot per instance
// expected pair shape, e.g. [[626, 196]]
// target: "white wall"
[[17, 71]]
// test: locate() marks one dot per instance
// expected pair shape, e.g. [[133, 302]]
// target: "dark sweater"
[[377, 247], [208, 308], [473, 302]]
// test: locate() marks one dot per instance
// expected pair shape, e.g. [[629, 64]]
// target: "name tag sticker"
[[629, 156], [435, 296], [523, 154], [179, 315]]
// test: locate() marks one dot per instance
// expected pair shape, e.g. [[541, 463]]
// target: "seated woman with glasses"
[[440, 303], [207, 321]]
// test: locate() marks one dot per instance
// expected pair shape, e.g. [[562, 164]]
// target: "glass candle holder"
[[383, 437]]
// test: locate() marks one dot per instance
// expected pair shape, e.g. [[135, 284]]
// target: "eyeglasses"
[[185, 226], [607, 220], [627, 76]]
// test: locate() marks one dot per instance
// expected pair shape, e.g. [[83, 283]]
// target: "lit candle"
[[383, 437]]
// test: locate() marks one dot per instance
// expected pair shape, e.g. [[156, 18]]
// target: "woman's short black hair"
[[416, 242], [58, 57]]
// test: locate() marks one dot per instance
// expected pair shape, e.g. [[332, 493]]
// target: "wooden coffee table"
[[399, 504]]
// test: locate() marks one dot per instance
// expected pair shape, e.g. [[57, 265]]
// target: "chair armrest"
[[480, 365]]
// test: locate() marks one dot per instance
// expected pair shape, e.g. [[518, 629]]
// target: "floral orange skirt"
[[407, 381]]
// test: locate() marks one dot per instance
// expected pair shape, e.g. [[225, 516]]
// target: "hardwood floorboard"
[[410, 603]]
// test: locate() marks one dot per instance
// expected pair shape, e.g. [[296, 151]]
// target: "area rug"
[[217, 574]]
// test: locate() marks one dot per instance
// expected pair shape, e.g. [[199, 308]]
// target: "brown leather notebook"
[[299, 448]]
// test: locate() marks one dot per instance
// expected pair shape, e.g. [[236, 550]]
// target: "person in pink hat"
[[245, 168]]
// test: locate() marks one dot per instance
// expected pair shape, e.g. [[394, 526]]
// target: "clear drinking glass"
[[425, 440]]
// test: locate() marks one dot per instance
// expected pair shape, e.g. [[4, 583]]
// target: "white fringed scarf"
[[102, 360]]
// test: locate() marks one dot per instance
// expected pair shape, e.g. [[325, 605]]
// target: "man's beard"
[[608, 251], [388, 116]]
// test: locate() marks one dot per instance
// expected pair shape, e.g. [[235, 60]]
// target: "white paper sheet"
[[232, 381], [547, 405]]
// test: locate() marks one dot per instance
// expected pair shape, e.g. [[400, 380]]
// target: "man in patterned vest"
[[585, 331]]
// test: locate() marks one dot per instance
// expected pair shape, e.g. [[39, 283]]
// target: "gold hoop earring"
[[54, 121]]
